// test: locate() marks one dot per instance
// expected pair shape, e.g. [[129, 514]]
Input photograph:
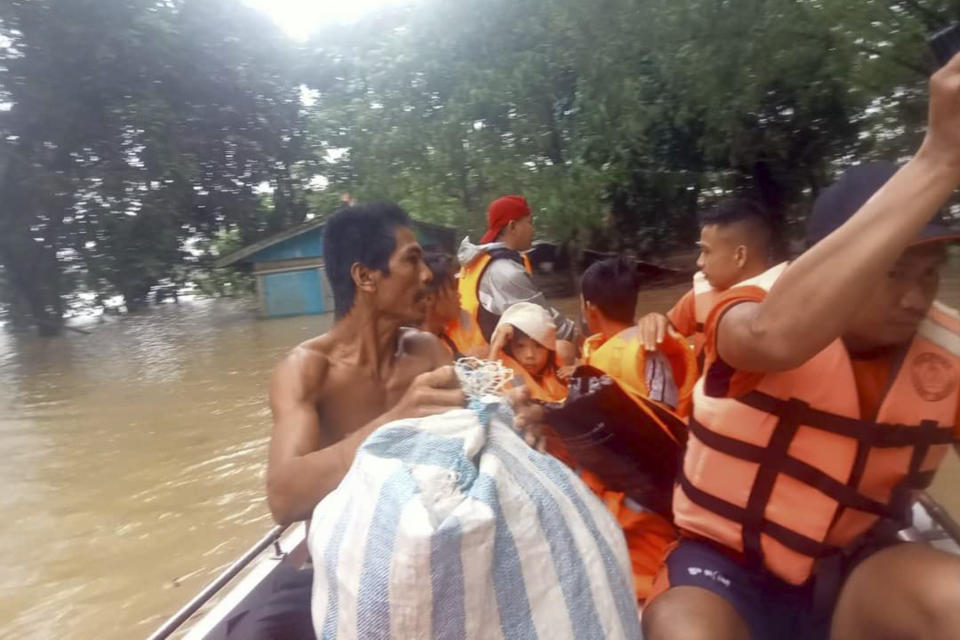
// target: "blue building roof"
[[306, 241]]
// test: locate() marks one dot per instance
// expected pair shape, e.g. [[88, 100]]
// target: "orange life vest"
[[462, 335], [623, 358], [547, 389], [791, 472], [648, 534], [704, 297], [468, 283]]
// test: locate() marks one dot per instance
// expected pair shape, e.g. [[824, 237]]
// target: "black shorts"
[[284, 615], [772, 608]]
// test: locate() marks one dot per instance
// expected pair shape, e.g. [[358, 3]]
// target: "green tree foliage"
[[620, 114], [130, 129], [133, 126]]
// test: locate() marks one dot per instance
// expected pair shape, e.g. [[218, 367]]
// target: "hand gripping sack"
[[452, 527]]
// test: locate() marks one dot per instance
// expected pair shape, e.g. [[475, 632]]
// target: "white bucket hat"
[[533, 320]]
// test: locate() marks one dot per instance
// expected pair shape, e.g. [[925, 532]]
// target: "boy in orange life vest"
[[609, 290], [525, 340], [830, 393], [609, 301], [444, 317], [736, 242]]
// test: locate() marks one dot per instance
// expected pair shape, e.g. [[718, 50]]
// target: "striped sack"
[[451, 527]]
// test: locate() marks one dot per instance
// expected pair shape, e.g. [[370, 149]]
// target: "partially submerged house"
[[290, 272]]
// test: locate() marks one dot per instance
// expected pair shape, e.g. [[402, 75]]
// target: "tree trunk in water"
[[18, 310], [33, 276]]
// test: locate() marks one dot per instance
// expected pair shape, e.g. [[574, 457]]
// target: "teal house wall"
[[290, 272]]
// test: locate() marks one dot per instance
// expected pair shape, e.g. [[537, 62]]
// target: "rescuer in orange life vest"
[[609, 290], [830, 392], [444, 317], [495, 274], [736, 243]]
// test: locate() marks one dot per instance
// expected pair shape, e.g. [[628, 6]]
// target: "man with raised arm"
[[829, 396]]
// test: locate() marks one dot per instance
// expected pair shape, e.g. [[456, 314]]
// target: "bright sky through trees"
[[300, 18]]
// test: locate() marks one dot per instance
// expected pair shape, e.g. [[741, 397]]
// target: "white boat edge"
[[290, 548]]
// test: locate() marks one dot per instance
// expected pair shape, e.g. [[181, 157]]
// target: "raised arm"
[[813, 301]]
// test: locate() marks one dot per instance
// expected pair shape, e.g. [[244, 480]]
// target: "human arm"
[[814, 300], [529, 416], [500, 338], [683, 315], [653, 327], [303, 466], [566, 353]]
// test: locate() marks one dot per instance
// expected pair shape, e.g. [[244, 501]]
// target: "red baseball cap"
[[502, 211]]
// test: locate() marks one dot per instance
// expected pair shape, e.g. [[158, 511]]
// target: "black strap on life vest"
[[775, 459], [702, 356], [875, 434], [487, 320]]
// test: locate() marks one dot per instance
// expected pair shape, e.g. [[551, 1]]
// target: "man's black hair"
[[736, 210], [360, 233], [612, 286], [442, 267], [755, 218]]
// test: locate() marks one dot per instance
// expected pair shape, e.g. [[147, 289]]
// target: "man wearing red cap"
[[495, 274]]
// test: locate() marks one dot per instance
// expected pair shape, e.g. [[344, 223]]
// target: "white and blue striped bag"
[[451, 527]]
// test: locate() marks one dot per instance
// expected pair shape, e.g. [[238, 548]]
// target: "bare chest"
[[354, 397]]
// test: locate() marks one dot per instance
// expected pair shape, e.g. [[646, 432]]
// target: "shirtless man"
[[332, 391], [329, 393]]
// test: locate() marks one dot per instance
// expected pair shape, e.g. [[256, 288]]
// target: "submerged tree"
[[133, 126]]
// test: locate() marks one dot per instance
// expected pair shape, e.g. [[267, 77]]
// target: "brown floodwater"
[[133, 461]]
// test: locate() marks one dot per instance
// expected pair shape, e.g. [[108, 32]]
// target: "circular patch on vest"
[[934, 377]]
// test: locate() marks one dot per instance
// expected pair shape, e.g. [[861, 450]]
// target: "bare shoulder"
[[411, 338], [304, 369], [425, 345]]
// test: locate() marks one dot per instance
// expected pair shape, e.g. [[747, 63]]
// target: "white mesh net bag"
[[451, 527]]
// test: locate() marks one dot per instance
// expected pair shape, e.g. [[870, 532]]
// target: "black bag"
[[630, 442]]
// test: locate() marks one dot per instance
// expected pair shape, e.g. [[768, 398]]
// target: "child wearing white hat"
[[526, 341]]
